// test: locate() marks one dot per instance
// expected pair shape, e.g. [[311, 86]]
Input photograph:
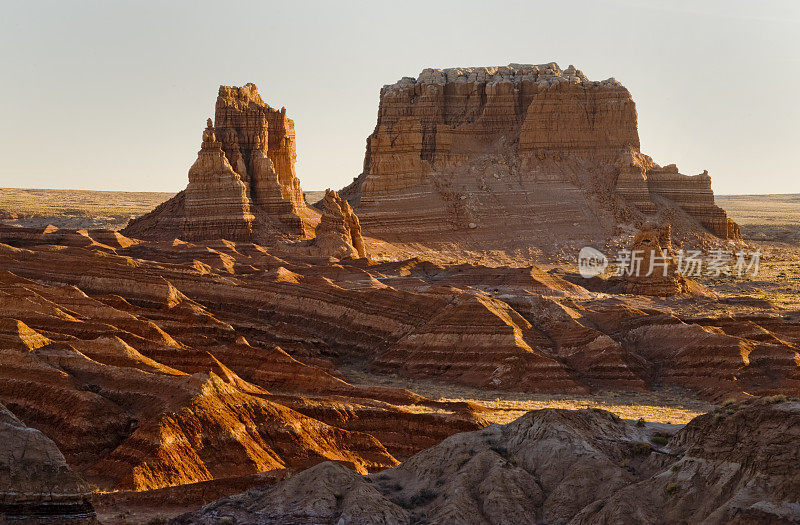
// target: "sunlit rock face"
[[243, 185], [260, 142], [216, 197], [515, 155]]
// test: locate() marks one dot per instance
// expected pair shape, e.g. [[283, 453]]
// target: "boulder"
[[36, 485]]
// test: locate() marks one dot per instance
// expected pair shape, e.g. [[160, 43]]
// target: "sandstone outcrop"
[[260, 141], [641, 181], [243, 185], [36, 485], [504, 157], [559, 466], [338, 233], [216, 200], [653, 269]]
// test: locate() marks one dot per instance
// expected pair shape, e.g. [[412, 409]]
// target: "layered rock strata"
[[135, 382], [640, 180], [472, 154], [153, 364], [243, 185], [216, 197], [260, 141], [501, 328]]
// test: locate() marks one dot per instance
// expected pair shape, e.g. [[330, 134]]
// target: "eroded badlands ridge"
[[735, 465], [500, 328], [142, 387], [505, 157], [159, 363]]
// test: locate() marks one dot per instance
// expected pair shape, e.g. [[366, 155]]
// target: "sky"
[[114, 95]]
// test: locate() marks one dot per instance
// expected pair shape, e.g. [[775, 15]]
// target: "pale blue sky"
[[114, 95]]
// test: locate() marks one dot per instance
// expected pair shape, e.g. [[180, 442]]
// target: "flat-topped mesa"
[[450, 115], [243, 185], [534, 146]]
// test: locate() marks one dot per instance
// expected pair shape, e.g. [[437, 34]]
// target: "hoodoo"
[[517, 155], [339, 232], [653, 269], [243, 185]]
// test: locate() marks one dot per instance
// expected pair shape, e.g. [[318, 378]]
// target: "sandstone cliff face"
[[339, 231], [640, 180], [558, 466], [545, 153], [243, 185]]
